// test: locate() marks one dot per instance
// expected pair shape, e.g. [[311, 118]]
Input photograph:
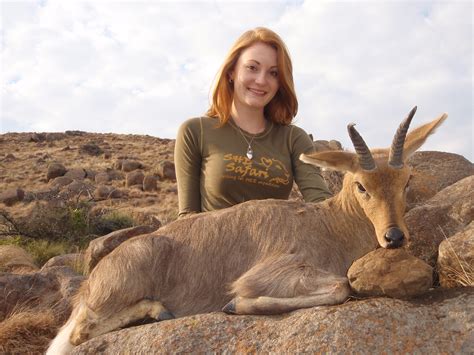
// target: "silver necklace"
[[249, 148]]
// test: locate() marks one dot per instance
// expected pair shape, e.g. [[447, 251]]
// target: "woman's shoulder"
[[198, 122], [291, 130]]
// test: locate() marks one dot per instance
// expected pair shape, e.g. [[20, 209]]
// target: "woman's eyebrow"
[[256, 61]]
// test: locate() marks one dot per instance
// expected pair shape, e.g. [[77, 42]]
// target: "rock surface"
[[441, 322], [433, 171], [446, 213], [16, 260], [11, 196], [390, 272], [51, 288], [456, 259]]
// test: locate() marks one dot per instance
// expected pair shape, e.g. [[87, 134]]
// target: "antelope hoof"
[[229, 308], [165, 315]]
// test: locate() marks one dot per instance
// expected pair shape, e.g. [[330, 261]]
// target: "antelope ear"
[[417, 137], [333, 160]]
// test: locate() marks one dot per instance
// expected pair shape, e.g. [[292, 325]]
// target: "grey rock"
[[55, 170], [131, 165], [102, 178], [442, 216], [150, 183], [76, 174], [166, 170], [134, 178], [441, 322], [50, 288], [434, 171], [11, 196]]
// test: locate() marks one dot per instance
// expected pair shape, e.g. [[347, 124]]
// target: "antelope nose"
[[394, 237]]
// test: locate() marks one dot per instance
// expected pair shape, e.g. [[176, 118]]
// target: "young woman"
[[245, 148]]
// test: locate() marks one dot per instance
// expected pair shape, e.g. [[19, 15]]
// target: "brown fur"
[[274, 256]]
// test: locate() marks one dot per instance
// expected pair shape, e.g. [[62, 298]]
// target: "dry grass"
[[27, 331], [459, 274]]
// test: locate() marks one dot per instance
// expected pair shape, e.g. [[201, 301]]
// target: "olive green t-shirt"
[[213, 171]]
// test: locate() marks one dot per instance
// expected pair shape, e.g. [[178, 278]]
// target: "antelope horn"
[[366, 160], [395, 158]]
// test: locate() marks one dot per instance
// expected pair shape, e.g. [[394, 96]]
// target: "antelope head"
[[377, 180]]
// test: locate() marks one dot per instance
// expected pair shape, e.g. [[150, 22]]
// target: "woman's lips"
[[257, 92]]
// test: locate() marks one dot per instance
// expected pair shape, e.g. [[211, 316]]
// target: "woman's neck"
[[250, 120]]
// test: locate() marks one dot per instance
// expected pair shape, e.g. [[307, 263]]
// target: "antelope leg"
[[90, 324], [327, 295]]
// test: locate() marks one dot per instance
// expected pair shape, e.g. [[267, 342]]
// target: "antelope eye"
[[360, 187]]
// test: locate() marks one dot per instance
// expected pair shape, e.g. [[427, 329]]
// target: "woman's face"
[[255, 76]]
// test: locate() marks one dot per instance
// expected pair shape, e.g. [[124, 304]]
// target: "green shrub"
[[112, 221]]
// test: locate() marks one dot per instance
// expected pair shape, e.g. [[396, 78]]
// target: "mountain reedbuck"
[[259, 257]]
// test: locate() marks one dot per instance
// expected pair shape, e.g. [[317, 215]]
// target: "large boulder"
[[390, 272], [440, 323], [446, 213], [16, 260], [100, 247], [434, 171], [50, 288], [456, 259]]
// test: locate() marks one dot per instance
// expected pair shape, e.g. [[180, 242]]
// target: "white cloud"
[[144, 67]]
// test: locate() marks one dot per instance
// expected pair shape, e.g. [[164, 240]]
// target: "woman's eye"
[[251, 67], [274, 74]]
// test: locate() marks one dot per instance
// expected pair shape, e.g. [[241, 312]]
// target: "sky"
[[143, 67]]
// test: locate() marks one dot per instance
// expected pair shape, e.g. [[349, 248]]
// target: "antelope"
[[259, 257]]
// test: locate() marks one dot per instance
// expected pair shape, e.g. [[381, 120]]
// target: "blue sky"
[[145, 66]]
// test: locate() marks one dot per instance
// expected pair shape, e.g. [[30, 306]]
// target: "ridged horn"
[[395, 158], [366, 160]]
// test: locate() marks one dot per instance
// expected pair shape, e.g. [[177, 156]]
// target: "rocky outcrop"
[[446, 213], [390, 272], [16, 260], [456, 259], [434, 171], [51, 288], [438, 323]]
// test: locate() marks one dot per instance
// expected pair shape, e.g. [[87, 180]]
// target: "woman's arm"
[[187, 159], [308, 177]]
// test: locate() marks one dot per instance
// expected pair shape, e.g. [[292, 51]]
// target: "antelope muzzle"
[[395, 238]]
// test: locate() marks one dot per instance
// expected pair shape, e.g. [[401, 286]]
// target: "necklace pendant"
[[250, 153]]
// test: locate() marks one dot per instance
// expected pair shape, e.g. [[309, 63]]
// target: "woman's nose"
[[261, 78]]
